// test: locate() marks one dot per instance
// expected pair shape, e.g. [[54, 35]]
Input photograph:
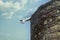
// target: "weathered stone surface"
[[45, 22], [52, 33]]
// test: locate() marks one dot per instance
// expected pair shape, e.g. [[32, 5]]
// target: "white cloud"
[[8, 15], [14, 6], [23, 2], [9, 8], [33, 1], [36, 0], [1, 3]]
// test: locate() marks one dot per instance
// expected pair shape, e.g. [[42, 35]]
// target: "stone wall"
[[52, 33], [45, 22]]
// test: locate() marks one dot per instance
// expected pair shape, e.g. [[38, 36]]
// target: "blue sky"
[[11, 11]]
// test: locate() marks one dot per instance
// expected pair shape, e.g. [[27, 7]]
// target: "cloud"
[[32, 1], [36, 0], [12, 6], [8, 15], [9, 7]]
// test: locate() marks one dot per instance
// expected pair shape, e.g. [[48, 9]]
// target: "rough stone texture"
[[45, 22]]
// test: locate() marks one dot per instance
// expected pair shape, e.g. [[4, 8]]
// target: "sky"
[[11, 11]]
